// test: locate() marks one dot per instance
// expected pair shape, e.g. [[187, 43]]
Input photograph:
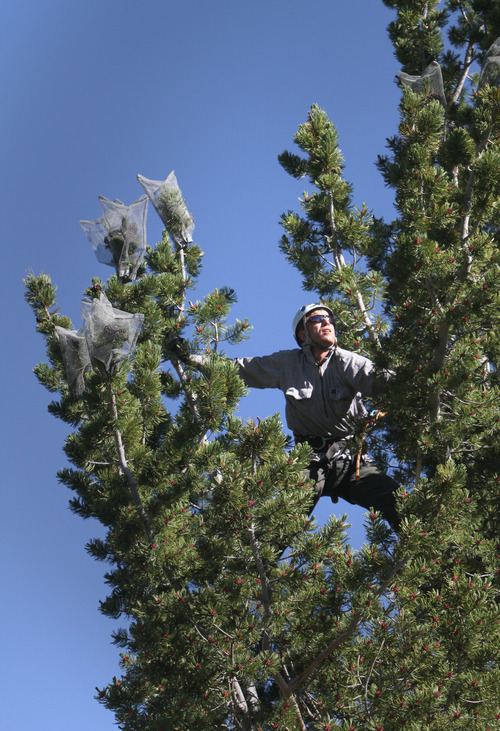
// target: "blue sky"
[[94, 92]]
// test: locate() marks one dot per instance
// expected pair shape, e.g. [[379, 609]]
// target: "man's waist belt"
[[323, 443]]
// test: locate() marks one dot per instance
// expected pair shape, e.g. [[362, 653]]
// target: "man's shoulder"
[[287, 356], [287, 353], [296, 352]]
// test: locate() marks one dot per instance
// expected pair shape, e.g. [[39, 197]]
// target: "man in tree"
[[323, 385]]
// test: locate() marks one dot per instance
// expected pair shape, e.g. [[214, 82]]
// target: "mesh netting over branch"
[[431, 80], [490, 73], [118, 238], [111, 334], [76, 358], [168, 201], [108, 337]]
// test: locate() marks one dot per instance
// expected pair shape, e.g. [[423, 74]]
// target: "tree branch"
[[123, 464], [356, 620]]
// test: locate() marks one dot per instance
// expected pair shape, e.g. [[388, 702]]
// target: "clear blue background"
[[94, 92]]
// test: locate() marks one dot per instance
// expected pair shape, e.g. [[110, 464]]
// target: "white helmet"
[[303, 312]]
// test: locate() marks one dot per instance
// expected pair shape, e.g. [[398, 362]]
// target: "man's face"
[[322, 333]]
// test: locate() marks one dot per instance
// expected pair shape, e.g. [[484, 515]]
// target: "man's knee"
[[375, 490]]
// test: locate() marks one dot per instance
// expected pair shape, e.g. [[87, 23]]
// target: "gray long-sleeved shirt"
[[320, 399]]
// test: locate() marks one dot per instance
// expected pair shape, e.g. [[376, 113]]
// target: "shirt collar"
[[306, 348]]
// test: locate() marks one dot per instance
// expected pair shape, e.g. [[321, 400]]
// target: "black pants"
[[372, 489]]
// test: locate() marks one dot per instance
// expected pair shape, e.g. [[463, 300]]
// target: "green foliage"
[[239, 612], [436, 296], [331, 238]]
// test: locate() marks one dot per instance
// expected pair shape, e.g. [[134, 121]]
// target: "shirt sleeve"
[[361, 373], [262, 372]]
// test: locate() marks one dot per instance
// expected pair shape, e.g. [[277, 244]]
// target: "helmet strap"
[[308, 340]]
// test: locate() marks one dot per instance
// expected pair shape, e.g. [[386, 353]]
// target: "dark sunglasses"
[[320, 318]]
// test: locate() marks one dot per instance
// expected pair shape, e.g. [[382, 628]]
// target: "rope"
[[370, 422]]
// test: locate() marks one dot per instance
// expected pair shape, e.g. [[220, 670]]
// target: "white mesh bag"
[[111, 334], [167, 199], [431, 79], [118, 238], [490, 73], [75, 357]]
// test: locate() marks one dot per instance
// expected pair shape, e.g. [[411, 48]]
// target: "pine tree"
[[223, 629], [435, 270]]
